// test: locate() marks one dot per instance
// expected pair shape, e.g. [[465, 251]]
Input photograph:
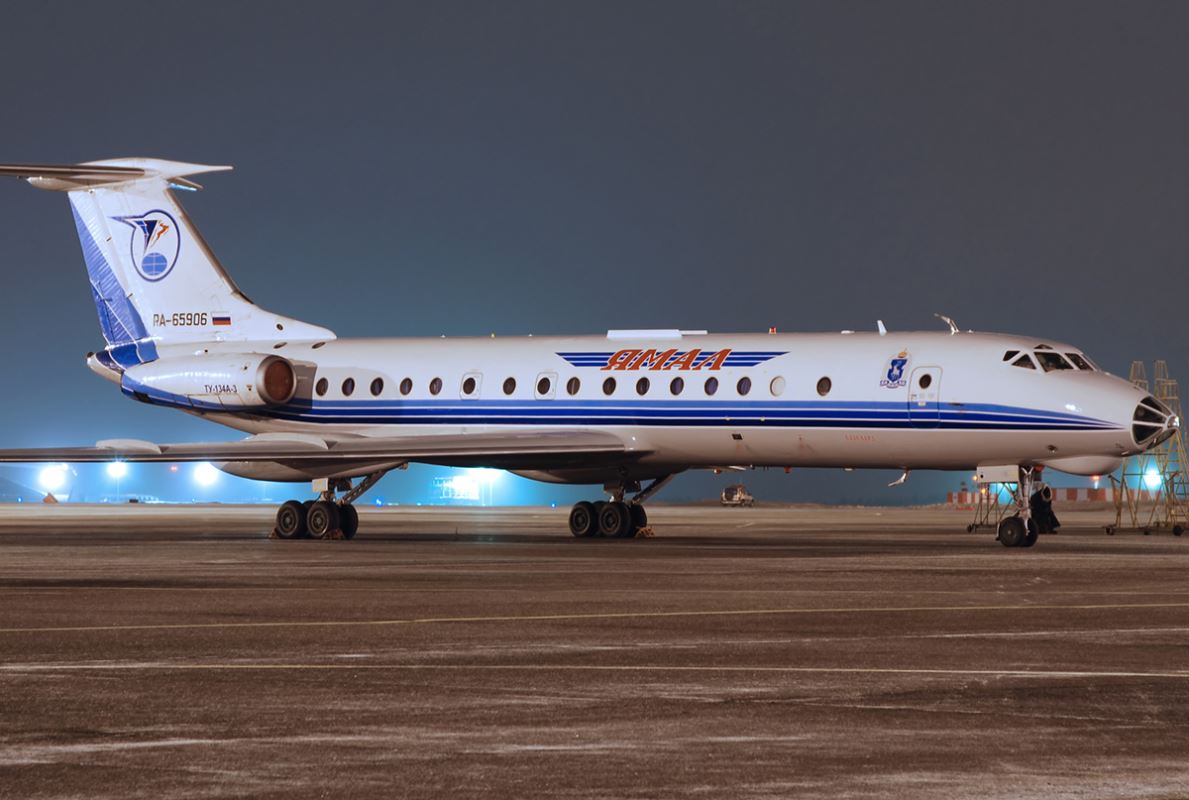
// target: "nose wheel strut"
[[1019, 530]]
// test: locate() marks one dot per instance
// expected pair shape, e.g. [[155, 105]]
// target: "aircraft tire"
[[322, 518], [584, 522], [1031, 536], [349, 520], [1012, 532], [291, 520], [599, 505], [639, 517], [615, 520]]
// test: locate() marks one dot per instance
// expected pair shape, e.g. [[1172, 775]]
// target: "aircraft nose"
[[1152, 423]]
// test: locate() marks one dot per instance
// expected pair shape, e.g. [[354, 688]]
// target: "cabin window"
[[777, 386], [711, 386], [435, 386], [609, 386], [1079, 362], [321, 386], [676, 386], [544, 385], [406, 386], [509, 385], [1051, 362], [377, 387], [572, 386], [926, 381], [824, 385], [1010, 354], [348, 387], [743, 386], [468, 385], [1024, 361]]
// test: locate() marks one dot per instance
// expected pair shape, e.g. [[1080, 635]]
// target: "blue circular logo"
[[155, 243], [154, 264]]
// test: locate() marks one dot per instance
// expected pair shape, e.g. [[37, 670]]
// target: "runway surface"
[[760, 653]]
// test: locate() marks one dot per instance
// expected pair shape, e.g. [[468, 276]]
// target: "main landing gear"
[[1019, 530], [326, 517], [615, 518]]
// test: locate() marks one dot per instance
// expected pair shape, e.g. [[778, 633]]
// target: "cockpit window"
[[1079, 362], [1010, 354], [1052, 361], [1024, 361]]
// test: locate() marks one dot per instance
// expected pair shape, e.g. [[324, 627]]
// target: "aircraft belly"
[[872, 448], [746, 445]]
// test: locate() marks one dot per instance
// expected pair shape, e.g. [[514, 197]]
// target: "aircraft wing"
[[508, 450]]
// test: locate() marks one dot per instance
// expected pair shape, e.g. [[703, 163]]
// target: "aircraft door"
[[924, 397]]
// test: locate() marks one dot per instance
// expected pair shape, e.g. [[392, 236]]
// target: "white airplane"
[[615, 410]]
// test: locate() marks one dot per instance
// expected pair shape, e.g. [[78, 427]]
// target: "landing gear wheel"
[[291, 520], [599, 505], [323, 518], [583, 520], [1012, 532], [348, 520], [1031, 536], [639, 517], [615, 520]]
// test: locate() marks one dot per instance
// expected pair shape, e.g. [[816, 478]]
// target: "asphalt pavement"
[[172, 652]]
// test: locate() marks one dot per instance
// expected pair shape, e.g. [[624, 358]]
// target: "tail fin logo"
[[154, 244]]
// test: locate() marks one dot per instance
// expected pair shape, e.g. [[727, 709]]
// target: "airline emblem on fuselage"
[[669, 359], [154, 244], [894, 371]]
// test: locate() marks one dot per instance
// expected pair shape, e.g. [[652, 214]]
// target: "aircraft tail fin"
[[153, 278]]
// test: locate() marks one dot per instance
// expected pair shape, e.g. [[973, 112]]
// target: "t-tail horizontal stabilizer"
[[154, 281]]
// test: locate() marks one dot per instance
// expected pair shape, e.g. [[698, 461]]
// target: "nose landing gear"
[[615, 518], [1020, 530], [326, 517]]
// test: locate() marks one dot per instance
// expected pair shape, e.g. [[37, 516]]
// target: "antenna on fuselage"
[[953, 325]]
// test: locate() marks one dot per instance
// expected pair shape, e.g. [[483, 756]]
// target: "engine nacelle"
[[247, 380]]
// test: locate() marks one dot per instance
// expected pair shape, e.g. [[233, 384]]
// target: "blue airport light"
[[205, 474], [52, 477]]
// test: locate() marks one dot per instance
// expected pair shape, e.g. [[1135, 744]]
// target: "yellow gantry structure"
[[1153, 490]]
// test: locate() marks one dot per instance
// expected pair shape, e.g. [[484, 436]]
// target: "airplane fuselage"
[[919, 400]]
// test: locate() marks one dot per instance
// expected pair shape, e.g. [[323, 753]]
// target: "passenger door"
[[924, 397]]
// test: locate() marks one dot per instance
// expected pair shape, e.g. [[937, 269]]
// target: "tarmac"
[[170, 652]]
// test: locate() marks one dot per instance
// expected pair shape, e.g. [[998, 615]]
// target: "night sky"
[[560, 167]]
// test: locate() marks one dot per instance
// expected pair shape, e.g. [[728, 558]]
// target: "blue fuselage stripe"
[[625, 413]]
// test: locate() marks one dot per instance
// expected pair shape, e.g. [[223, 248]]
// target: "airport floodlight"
[[464, 487], [117, 470], [205, 474], [485, 475], [53, 477]]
